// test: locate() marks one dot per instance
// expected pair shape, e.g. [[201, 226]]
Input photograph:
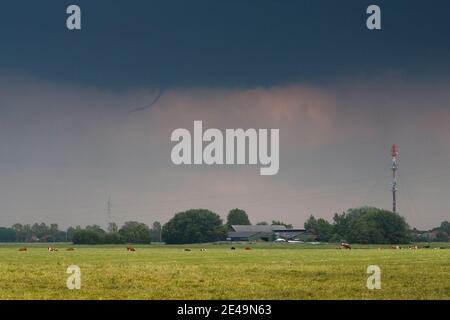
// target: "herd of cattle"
[[204, 250], [129, 249], [50, 249], [348, 246], [344, 246]]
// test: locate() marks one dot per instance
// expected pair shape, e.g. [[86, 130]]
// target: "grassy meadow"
[[268, 271]]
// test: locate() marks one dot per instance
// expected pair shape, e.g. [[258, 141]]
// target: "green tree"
[[7, 235], [112, 227], [319, 227], [156, 232], [53, 233], [69, 233], [262, 223], [41, 231], [237, 217], [96, 228], [28, 233], [376, 226], [340, 225], [20, 232], [194, 226], [112, 238], [445, 227], [135, 232], [310, 224], [93, 234], [442, 236], [87, 236]]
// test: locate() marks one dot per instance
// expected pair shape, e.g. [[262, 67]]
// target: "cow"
[[203, 250], [233, 248], [248, 248], [396, 247], [187, 250], [23, 249], [345, 245], [131, 249], [70, 249], [51, 249]]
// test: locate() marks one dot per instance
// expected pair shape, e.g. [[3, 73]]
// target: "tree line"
[[368, 225], [191, 226], [130, 232], [365, 225]]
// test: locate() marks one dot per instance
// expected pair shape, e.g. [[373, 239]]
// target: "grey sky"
[[339, 94]]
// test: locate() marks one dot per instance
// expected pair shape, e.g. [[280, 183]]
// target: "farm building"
[[262, 232]]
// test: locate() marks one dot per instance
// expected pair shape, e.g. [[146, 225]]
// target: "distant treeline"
[[192, 226], [365, 225], [368, 225], [130, 232]]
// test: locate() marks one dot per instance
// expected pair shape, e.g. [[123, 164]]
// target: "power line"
[[394, 153], [109, 211]]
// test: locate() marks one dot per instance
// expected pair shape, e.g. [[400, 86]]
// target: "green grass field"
[[268, 271]]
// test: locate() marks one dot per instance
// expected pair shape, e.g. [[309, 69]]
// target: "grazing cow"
[[346, 246], [396, 247], [131, 249], [187, 250], [23, 249], [233, 248], [203, 250], [51, 249], [70, 249], [248, 248]]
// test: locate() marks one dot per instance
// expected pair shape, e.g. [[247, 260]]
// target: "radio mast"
[[109, 212]]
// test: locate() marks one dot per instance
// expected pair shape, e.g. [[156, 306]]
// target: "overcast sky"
[[339, 93]]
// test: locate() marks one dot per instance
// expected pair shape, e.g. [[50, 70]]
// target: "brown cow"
[[346, 246], [70, 249], [187, 250], [131, 249], [23, 249], [248, 248]]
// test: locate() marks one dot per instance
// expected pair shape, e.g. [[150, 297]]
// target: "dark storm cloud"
[[222, 43]]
